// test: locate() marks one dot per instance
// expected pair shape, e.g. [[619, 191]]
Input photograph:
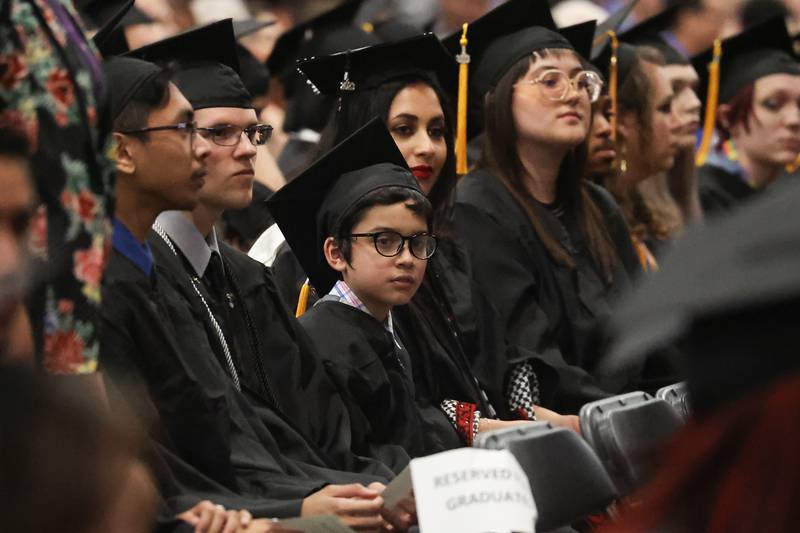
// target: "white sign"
[[472, 490]]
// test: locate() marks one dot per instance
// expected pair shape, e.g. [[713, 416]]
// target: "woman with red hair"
[[758, 116]]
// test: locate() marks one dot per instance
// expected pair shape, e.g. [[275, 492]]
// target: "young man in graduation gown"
[[143, 99], [247, 365]]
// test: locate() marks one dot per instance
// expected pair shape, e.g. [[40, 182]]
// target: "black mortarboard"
[[391, 29], [308, 207], [613, 23], [243, 28], [505, 35], [208, 65], [326, 34], [299, 41], [98, 13], [110, 37], [758, 51], [602, 50], [651, 33], [125, 76], [601, 47], [369, 67]]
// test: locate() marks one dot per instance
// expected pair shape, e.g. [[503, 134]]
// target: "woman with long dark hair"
[[645, 145], [549, 250]]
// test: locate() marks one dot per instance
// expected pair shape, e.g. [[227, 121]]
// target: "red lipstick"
[[422, 172]]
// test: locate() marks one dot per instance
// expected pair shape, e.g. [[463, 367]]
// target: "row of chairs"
[[572, 477]]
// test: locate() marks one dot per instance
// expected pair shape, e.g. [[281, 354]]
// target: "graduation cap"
[[99, 13], [494, 43], [110, 37], [308, 207], [243, 28], [652, 32], [254, 73], [611, 25], [125, 76], [733, 63], [369, 67], [391, 29], [503, 36], [734, 267], [303, 39], [208, 65]]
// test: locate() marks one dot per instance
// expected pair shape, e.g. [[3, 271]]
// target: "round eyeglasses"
[[555, 84], [391, 243], [229, 135]]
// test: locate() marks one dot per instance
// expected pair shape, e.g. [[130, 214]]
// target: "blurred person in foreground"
[[91, 481], [52, 89], [16, 209], [728, 298]]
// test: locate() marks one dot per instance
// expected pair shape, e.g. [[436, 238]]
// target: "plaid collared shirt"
[[342, 292]]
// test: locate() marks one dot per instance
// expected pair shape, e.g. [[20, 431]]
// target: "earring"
[[622, 161]]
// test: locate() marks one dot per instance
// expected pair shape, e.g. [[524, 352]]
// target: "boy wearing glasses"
[[366, 247]]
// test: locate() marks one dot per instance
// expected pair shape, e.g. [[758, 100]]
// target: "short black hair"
[[13, 143], [414, 201], [151, 96]]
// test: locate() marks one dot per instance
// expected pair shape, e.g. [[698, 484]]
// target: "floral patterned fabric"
[[49, 89]]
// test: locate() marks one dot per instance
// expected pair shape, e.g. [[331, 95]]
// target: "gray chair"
[[567, 479], [626, 431], [677, 396]]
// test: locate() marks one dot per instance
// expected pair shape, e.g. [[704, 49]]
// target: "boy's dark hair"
[[414, 201], [151, 96]]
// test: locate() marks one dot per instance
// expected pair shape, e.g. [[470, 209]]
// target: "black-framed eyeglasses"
[[391, 243], [188, 127], [229, 135]]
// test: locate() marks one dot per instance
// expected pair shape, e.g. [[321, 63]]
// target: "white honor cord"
[[235, 375]]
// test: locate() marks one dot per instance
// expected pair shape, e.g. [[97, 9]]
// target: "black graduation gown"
[[155, 344], [463, 312], [376, 379], [722, 190], [453, 322], [433, 333], [279, 370], [548, 310]]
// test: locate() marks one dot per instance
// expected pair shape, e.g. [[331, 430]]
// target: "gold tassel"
[[646, 259], [711, 105], [613, 80], [461, 124], [794, 165], [302, 301]]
